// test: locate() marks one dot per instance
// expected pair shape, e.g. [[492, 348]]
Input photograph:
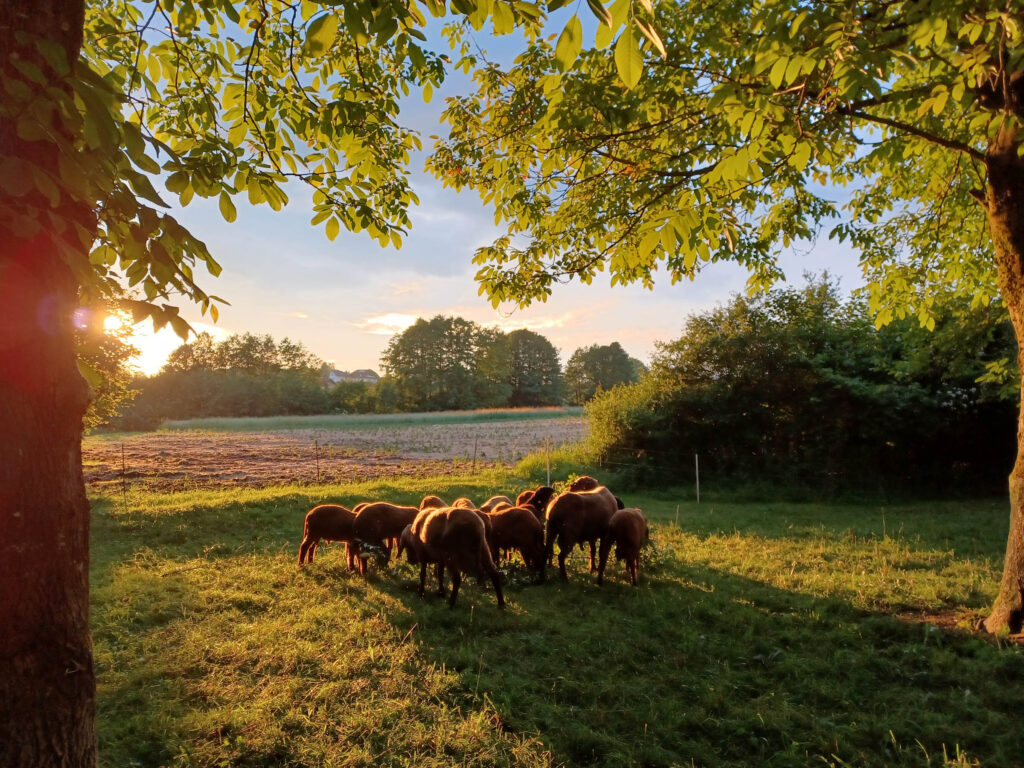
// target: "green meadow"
[[371, 420], [760, 635]]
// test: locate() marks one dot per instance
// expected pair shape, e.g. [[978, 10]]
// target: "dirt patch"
[[179, 460]]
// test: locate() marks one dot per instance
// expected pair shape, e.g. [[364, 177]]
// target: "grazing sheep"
[[327, 522], [464, 502], [379, 521], [583, 483], [453, 538], [432, 502], [494, 502], [576, 517], [518, 528], [538, 499], [628, 529]]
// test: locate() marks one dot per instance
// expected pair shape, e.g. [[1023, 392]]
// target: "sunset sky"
[[345, 299]]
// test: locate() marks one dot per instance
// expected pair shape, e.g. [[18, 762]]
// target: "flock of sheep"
[[467, 539]]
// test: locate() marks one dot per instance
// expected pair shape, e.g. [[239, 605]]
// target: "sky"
[[344, 300]]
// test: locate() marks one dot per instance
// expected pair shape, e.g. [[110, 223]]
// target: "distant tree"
[[444, 363], [534, 371], [104, 355], [198, 354], [595, 368], [798, 388]]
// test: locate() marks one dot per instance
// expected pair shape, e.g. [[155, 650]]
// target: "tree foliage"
[[721, 150], [534, 371], [450, 363], [242, 375], [797, 388], [598, 368], [104, 358]]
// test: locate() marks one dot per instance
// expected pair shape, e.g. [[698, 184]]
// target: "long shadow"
[[700, 667], [694, 667]]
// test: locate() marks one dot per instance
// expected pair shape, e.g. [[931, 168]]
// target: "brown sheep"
[[494, 502], [432, 502], [464, 502], [518, 528], [454, 538], [379, 521], [628, 530], [538, 499], [583, 483], [327, 522], [574, 518]]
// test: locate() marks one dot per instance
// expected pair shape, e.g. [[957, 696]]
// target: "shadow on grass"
[[707, 667], [248, 660]]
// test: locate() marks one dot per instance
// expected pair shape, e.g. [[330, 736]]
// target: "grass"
[[370, 420], [760, 634]]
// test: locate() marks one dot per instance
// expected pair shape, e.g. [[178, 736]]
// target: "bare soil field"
[[178, 460]]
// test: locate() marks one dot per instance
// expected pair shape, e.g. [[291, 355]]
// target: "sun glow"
[[155, 346]]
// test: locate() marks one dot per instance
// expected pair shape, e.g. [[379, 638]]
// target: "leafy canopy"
[[225, 99], [733, 145]]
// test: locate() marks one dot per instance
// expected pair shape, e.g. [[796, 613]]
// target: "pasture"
[[760, 635]]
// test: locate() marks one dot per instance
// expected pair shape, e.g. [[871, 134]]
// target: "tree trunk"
[[1006, 223], [47, 686]]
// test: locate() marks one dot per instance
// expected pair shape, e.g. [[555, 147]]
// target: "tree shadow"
[[702, 667]]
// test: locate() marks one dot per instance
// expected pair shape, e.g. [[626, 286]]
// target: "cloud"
[[386, 325], [405, 289], [299, 315]]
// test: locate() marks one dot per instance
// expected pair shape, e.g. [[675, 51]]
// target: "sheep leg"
[[423, 577], [496, 581], [634, 567], [350, 554], [606, 545], [563, 553], [440, 579], [303, 549], [456, 582]]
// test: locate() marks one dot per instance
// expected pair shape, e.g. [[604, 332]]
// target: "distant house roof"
[[363, 374]]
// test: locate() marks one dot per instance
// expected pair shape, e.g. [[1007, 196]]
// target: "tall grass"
[[760, 635], [370, 420]]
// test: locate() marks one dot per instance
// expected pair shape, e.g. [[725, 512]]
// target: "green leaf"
[[628, 60], [227, 207], [778, 73], [320, 35], [652, 35], [598, 9], [570, 42], [332, 228]]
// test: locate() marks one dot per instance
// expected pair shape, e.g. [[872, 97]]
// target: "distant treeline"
[[796, 388], [445, 363]]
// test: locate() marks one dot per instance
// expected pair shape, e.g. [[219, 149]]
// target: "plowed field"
[[175, 460]]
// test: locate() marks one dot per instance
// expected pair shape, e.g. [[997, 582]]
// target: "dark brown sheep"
[[379, 521], [628, 530], [518, 528], [538, 499], [454, 538], [327, 522], [574, 518], [432, 502]]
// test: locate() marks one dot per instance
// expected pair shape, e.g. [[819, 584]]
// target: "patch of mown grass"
[[760, 635], [370, 420]]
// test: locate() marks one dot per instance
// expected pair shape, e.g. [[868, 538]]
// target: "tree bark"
[[47, 684], [1005, 204]]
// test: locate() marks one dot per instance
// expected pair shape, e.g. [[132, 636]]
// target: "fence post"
[[547, 445], [696, 469]]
